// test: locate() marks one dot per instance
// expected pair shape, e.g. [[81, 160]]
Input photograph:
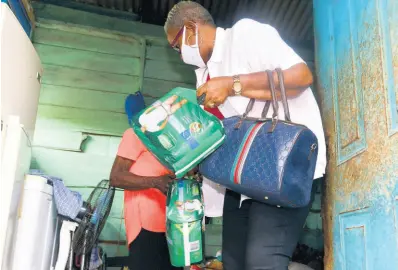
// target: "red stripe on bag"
[[245, 149]]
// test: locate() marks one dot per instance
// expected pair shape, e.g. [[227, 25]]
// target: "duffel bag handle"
[[274, 101], [283, 94], [266, 105]]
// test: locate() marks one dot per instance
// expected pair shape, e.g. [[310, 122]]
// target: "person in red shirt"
[[145, 182]]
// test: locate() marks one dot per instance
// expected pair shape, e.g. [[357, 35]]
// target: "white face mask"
[[190, 53]]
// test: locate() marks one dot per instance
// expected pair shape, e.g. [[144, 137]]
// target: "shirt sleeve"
[[130, 147], [265, 48]]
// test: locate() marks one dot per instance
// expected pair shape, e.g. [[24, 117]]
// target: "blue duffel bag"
[[269, 160]]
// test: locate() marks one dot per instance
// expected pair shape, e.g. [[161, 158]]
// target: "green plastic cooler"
[[177, 131], [184, 224]]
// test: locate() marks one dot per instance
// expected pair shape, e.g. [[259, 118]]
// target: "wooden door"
[[357, 68]]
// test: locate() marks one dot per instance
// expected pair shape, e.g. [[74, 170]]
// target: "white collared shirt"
[[249, 47]]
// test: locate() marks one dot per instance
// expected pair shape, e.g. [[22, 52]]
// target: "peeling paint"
[[351, 59]]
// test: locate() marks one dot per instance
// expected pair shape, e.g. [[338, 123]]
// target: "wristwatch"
[[237, 86]]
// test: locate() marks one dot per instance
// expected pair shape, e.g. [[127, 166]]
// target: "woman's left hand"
[[216, 90]]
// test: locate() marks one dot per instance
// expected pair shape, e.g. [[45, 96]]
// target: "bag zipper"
[[270, 119]]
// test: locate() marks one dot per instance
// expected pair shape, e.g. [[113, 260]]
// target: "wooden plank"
[[157, 41], [163, 53], [142, 63], [52, 117], [169, 71], [94, 31], [114, 143], [87, 79], [149, 100], [88, 60], [158, 88], [97, 145], [75, 168], [111, 230], [63, 139], [59, 139], [82, 98], [52, 12], [118, 206], [114, 230], [118, 45], [101, 145], [96, 9]]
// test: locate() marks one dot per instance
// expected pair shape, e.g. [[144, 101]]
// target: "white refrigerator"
[[20, 78]]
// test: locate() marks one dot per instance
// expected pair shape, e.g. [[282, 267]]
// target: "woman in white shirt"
[[231, 70]]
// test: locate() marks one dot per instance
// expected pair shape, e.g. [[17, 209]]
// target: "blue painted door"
[[357, 68]]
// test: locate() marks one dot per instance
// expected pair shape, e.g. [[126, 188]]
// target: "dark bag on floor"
[[269, 160]]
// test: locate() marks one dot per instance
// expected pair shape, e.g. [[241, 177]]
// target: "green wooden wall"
[[88, 72]]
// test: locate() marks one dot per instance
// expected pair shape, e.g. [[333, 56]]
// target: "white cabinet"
[[20, 73], [15, 161]]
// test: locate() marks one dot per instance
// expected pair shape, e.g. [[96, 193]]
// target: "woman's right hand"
[[163, 183]]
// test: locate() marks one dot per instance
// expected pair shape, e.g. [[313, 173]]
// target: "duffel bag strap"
[[274, 101], [246, 113], [267, 104], [250, 107], [266, 109], [283, 94]]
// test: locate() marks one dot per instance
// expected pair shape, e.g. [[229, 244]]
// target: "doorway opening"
[[161, 71]]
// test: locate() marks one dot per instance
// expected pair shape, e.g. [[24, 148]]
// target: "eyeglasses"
[[174, 44]]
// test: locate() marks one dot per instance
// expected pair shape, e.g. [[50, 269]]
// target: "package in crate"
[[184, 223], [178, 131]]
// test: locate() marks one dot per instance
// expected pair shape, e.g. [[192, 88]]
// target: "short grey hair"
[[187, 11]]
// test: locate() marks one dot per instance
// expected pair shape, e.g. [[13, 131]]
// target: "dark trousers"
[[149, 251], [258, 236]]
